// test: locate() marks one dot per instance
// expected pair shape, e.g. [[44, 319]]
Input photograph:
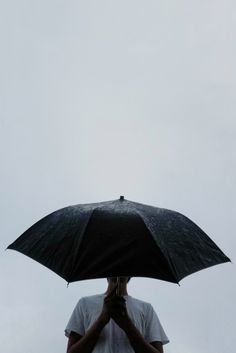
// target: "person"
[[111, 323]]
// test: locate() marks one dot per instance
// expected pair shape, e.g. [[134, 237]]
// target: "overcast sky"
[[106, 98]]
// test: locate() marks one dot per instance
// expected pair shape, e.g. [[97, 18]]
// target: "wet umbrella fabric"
[[119, 238]]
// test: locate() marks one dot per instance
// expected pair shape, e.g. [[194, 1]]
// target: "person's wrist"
[[127, 323], [103, 318]]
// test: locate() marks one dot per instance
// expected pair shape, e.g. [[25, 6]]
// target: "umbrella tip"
[[122, 198]]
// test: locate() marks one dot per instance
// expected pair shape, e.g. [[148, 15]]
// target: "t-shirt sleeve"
[[153, 328], [76, 322]]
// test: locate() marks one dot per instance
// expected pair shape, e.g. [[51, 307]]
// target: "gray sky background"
[[106, 98]]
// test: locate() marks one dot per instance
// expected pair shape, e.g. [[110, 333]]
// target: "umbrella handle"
[[118, 286]]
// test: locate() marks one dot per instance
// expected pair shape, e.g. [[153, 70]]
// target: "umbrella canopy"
[[119, 238]]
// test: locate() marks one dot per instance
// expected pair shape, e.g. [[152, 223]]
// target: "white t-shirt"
[[112, 338]]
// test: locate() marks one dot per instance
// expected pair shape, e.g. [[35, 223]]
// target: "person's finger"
[[118, 299], [115, 300], [116, 306], [112, 292]]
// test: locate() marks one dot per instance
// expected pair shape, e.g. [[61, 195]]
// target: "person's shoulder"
[[136, 300], [140, 303], [91, 299]]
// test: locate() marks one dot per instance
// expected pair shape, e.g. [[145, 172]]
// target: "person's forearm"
[[88, 341], [137, 341]]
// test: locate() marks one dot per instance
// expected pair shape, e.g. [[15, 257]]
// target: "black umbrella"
[[119, 238]]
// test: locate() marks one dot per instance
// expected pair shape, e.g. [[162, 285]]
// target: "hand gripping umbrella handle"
[[118, 286]]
